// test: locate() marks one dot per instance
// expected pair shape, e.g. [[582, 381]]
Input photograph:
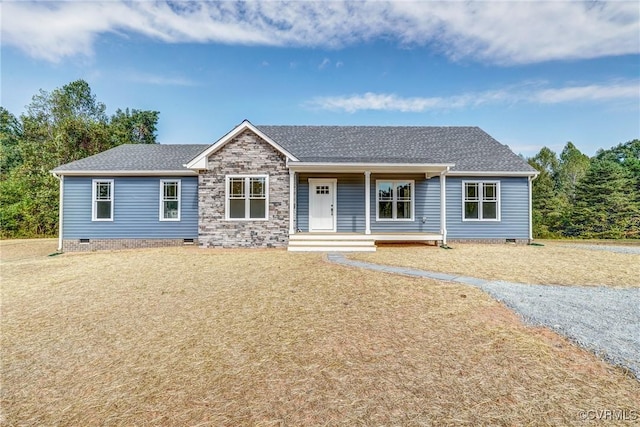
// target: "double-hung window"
[[102, 200], [394, 200], [247, 197], [481, 200], [170, 200]]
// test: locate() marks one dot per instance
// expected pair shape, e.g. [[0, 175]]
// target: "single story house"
[[300, 187]]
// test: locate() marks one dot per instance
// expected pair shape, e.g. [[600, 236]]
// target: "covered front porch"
[[350, 207]]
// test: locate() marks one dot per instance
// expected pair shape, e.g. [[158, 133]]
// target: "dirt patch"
[[177, 336]]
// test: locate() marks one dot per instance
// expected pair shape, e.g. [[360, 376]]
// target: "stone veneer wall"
[[74, 245], [246, 154]]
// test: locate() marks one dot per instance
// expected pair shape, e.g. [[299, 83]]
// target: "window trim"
[[94, 200], [247, 197], [480, 200], [394, 201], [161, 216]]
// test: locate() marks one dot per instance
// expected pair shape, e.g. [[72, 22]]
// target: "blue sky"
[[532, 74]]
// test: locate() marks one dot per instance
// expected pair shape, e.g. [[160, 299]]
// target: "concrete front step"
[[330, 236], [342, 242], [331, 243], [331, 248]]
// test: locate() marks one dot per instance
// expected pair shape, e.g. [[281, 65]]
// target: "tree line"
[[580, 197], [58, 127], [573, 195]]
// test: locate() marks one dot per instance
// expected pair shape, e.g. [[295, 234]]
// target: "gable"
[[200, 162]]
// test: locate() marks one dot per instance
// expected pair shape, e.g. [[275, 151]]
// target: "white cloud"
[[526, 93], [589, 93], [158, 80], [339, 64], [497, 32], [324, 64]]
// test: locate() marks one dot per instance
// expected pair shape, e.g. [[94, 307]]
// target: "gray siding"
[[514, 211], [136, 210], [350, 198]]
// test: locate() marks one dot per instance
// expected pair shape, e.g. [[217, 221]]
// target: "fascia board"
[[491, 173]]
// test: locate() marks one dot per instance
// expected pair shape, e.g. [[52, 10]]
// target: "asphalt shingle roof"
[[137, 157], [469, 148]]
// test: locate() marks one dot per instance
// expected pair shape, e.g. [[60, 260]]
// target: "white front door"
[[322, 205]]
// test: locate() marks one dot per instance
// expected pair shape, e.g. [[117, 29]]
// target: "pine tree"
[[607, 204]]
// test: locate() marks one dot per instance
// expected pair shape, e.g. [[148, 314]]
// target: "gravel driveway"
[[604, 320], [616, 249]]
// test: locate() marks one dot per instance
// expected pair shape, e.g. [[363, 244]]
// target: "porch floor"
[[352, 242]]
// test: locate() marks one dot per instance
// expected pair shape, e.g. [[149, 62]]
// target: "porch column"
[[367, 202], [443, 206], [292, 202]]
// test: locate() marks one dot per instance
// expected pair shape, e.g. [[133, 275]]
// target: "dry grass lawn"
[[552, 264], [182, 336], [15, 250]]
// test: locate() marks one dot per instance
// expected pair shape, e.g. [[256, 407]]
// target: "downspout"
[[531, 178], [443, 205], [60, 209]]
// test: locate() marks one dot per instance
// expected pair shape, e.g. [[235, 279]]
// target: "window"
[[394, 200], [322, 189], [170, 200], [102, 195], [246, 197], [481, 201]]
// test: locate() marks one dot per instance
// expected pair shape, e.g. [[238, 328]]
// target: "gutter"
[[126, 173]]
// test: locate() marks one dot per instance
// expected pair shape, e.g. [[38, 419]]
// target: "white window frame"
[[94, 200], [163, 200], [247, 197], [394, 201], [480, 200]]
